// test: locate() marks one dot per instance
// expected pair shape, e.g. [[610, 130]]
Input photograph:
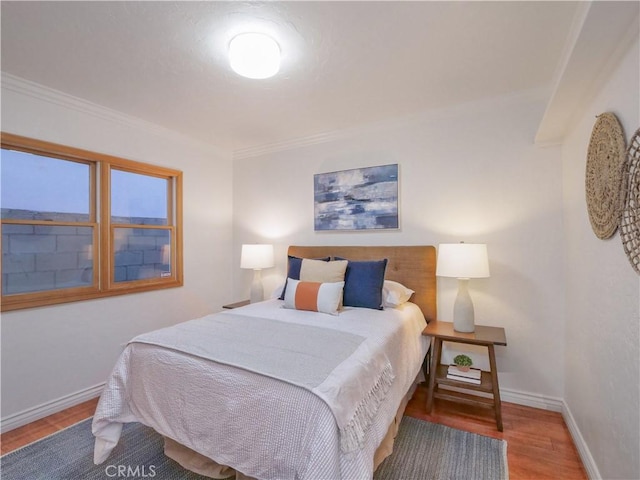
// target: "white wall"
[[602, 300], [469, 173], [52, 352]]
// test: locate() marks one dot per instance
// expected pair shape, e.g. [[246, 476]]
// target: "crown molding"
[[291, 144], [56, 97], [31, 89], [534, 95]]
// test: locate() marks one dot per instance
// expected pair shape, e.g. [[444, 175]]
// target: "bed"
[[278, 407]]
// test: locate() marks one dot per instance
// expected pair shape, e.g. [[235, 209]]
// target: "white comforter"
[[262, 427]]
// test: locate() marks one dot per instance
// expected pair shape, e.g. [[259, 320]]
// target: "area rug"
[[423, 451], [429, 451]]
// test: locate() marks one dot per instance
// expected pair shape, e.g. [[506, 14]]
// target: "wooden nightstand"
[[485, 336], [231, 306]]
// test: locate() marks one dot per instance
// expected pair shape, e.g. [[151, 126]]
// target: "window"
[[78, 225]]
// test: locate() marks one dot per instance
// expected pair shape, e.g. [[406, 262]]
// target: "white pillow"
[[395, 294], [313, 296]]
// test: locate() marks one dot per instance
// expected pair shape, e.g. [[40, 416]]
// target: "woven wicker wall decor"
[[603, 182], [630, 219]]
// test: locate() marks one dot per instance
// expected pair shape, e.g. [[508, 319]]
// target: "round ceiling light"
[[254, 55]]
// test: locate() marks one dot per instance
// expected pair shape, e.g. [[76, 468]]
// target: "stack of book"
[[471, 376]]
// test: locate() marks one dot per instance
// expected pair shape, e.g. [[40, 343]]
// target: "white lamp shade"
[[462, 260], [254, 55], [256, 256]]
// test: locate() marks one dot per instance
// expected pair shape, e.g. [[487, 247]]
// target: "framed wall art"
[[356, 199]]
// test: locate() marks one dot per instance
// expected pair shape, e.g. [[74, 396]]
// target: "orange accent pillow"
[[314, 296]]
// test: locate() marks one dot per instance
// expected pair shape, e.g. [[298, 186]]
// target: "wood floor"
[[539, 443]]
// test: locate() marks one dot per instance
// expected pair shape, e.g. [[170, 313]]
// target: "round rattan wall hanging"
[[605, 162], [630, 219]]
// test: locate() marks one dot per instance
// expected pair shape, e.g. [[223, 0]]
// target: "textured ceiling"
[[345, 63]]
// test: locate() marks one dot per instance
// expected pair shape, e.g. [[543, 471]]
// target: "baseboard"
[[583, 450], [519, 398], [531, 400], [49, 408]]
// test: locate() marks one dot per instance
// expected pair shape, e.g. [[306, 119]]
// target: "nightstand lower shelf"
[[486, 386], [465, 398], [486, 381]]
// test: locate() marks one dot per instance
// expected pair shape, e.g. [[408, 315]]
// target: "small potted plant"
[[462, 362]]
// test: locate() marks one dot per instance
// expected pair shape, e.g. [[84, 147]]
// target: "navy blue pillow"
[[293, 272], [363, 283]]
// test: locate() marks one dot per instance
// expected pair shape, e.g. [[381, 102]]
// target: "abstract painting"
[[357, 199]]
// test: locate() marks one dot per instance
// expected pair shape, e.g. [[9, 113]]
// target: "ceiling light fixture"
[[254, 55]]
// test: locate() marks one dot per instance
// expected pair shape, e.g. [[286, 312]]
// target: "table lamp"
[[256, 257], [463, 261]]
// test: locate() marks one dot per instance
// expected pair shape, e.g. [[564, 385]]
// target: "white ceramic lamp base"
[[463, 315], [257, 291]]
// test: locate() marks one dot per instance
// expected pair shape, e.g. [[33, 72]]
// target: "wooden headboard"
[[413, 266]]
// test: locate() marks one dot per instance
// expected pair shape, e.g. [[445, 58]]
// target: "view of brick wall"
[[141, 253], [43, 257]]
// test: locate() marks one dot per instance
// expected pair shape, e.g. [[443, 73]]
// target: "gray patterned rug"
[[423, 451]]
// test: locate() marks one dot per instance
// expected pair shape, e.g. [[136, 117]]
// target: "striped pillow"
[[313, 296]]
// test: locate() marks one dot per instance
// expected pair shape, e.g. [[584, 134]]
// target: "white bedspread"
[[339, 367], [259, 425]]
